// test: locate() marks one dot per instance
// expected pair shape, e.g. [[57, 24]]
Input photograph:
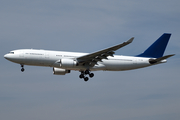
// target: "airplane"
[[105, 60]]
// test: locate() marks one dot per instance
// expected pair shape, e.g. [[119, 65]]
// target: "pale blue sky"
[[88, 26]]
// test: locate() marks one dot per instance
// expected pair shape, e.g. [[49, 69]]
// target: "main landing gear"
[[84, 73], [22, 68]]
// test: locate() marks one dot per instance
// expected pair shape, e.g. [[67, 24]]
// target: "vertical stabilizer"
[[157, 49]]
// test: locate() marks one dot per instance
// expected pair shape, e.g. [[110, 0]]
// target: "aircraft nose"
[[6, 56]]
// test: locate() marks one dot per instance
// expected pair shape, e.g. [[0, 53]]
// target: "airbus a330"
[[63, 62]]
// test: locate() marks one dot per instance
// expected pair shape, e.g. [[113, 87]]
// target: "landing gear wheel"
[[86, 79], [86, 72], [22, 69], [81, 76], [91, 75]]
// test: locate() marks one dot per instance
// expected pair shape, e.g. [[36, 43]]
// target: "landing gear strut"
[[84, 73], [22, 69]]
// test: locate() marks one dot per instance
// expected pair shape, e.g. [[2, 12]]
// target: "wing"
[[93, 58]]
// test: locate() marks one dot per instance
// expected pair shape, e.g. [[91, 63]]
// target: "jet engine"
[[59, 71], [67, 63]]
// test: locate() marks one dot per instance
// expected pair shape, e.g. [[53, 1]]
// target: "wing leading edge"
[[93, 58]]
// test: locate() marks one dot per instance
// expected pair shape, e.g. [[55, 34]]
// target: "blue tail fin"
[[157, 49]]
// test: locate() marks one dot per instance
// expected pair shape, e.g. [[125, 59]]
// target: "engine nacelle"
[[59, 71], [67, 63]]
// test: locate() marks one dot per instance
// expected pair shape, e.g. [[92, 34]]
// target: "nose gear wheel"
[[22, 68]]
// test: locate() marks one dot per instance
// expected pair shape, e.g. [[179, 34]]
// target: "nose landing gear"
[[22, 69], [84, 73]]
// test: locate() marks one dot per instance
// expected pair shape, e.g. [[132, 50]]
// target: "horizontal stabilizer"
[[153, 61]]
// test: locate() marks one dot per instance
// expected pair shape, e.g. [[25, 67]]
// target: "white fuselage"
[[52, 59]]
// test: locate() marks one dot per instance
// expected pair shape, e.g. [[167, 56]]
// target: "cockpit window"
[[11, 52]]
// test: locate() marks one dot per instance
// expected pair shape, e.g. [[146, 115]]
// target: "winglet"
[[130, 40]]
